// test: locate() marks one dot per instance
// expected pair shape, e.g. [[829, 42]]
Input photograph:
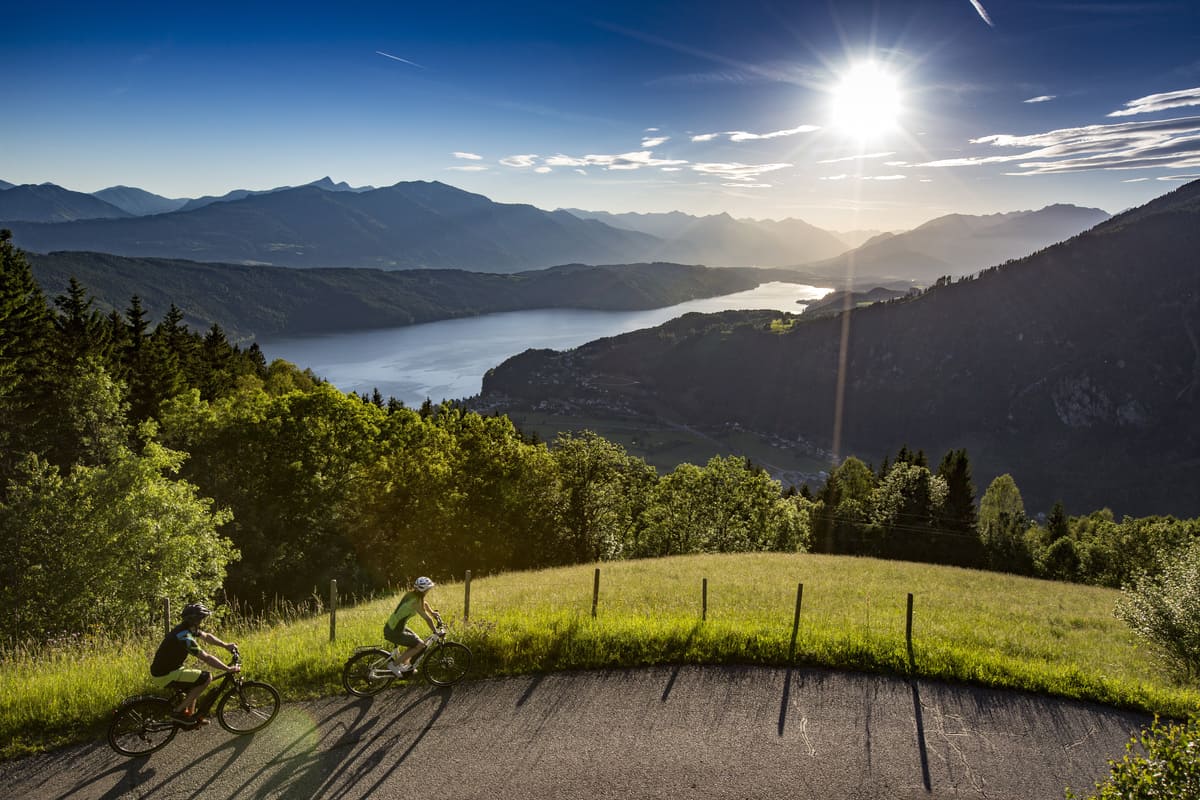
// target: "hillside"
[[721, 240], [1076, 369], [250, 301], [49, 203], [414, 225], [139, 202], [959, 244]]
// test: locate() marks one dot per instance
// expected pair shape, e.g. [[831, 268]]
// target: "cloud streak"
[[468, 156], [1160, 102], [1162, 144], [745, 136], [401, 60], [1041, 98], [982, 13]]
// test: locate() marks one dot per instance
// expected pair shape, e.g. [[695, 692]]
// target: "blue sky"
[[986, 105]]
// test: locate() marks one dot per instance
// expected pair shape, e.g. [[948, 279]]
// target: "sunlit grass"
[[979, 627]]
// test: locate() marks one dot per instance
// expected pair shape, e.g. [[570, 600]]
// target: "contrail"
[[982, 13], [415, 64]]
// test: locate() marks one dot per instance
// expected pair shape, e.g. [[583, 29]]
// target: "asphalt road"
[[669, 732]]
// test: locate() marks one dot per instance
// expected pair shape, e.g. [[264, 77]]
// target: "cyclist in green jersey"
[[397, 633]]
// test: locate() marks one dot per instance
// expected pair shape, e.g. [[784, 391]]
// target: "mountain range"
[[957, 245], [1076, 369], [420, 225]]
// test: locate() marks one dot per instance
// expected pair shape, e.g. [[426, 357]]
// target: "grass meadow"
[[970, 626]]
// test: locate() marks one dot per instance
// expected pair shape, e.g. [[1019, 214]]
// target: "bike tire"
[[141, 725], [360, 675], [446, 663], [249, 707]]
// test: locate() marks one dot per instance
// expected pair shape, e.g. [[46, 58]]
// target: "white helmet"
[[423, 584]]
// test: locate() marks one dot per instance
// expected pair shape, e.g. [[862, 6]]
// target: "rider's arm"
[[208, 637], [214, 662], [426, 612]]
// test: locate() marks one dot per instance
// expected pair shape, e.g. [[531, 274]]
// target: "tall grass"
[[978, 627]]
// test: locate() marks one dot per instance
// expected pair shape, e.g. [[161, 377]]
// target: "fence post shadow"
[[678, 665]]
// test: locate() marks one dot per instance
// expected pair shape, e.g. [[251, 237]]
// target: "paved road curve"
[[686, 732]]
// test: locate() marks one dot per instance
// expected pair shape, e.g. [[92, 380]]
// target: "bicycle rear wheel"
[[248, 708], [141, 725], [366, 672], [446, 664]]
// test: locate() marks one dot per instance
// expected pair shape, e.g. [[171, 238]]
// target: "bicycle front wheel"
[[249, 707], [446, 664], [366, 673], [141, 726]]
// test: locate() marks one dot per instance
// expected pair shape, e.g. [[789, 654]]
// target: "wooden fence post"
[[796, 620], [595, 591], [167, 615], [333, 609], [912, 663], [467, 597], [704, 600]]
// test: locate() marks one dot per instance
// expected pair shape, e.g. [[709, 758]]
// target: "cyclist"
[[167, 669], [397, 633]]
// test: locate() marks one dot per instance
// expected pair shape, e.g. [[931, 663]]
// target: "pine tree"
[[958, 514]]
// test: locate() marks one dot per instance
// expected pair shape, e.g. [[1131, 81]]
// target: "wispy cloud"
[[858, 157], [884, 177], [401, 60], [621, 161], [982, 13], [1165, 144], [527, 160], [468, 156], [542, 170], [655, 141], [1160, 102], [1041, 98], [747, 185], [744, 136], [469, 168], [744, 173]]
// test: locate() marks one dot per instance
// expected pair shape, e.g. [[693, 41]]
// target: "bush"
[[1163, 607], [1169, 768]]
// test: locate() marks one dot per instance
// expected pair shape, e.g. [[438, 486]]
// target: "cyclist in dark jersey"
[[167, 669], [397, 632]]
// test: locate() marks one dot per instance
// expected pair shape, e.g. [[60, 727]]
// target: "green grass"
[[977, 627]]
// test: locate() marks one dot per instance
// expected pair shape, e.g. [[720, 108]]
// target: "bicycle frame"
[[225, 683]]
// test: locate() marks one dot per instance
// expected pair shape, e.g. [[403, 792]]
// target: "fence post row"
[[595, 592], [467, 597], [167, 615], [704, 600], [333, 600]]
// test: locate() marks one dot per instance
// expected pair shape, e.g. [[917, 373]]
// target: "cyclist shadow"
[[129, 775], [353, 757]]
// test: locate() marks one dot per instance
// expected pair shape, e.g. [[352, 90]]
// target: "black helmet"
[[195, 612]]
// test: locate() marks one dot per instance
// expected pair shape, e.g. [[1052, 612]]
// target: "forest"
[[141, 460]]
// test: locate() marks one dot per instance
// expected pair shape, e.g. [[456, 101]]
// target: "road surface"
[[667, 732]]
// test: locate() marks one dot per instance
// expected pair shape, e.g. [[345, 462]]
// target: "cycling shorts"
[[182, 678], [404, 637]]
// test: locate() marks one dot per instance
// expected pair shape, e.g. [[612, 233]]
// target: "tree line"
[[141, 460]]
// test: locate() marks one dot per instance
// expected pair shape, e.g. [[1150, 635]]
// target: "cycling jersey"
[[174, 650], [394, 629]]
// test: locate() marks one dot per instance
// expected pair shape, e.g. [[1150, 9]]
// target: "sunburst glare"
[[866, 101]]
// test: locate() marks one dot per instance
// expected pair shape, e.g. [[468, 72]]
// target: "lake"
[[447, 359]]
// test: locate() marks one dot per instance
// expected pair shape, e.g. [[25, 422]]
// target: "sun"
[[866, 101]]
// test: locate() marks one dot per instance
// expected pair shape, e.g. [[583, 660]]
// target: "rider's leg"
[[193, 681], [413, 645]]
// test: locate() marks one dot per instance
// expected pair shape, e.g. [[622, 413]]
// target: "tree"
[[25, 333], [958, 513], [1002, 525], [1163, 607], [1163, 762], [842, 513], [601, 492], [97, 549]]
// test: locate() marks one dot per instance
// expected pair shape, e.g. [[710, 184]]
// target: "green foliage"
[[1002, 525], [1163, 607], [724, 507], [602, 491], [25, 328], [1163, 762], [98, 548]]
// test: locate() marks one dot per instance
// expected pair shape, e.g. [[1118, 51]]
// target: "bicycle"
[[143, 723], [442, 663]]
